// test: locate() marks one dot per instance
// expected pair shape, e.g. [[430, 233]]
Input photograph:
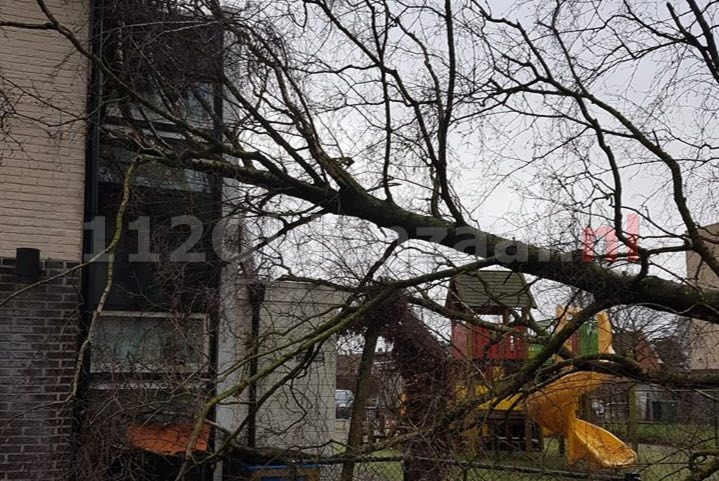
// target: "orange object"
[[555, 408], [167, 439]]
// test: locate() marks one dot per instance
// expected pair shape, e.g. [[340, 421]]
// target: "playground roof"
[[482, 289]]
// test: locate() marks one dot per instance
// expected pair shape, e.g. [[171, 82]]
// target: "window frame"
[[117, 366]]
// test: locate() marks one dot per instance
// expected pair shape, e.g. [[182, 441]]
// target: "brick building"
[[43, 91], [61, 172], [61, 184]]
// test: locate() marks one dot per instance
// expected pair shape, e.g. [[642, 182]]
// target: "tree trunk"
[[362, 391]]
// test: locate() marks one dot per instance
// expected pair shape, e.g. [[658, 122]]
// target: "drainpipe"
[[218, 185], [256, 294], [92, 153]]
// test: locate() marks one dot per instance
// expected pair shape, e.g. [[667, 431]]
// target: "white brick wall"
[[42, 140]]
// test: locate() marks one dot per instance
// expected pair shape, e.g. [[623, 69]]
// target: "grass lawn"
[[656, 463], [548, 460], [693, 436], [506, 462], [659, 463]]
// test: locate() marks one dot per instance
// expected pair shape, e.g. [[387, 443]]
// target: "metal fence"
[[397, 468]]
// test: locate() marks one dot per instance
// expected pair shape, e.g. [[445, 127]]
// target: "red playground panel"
[[483, 344]]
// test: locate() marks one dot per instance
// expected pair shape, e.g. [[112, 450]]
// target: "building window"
[[165, 258], [172, 58], [151, 342]]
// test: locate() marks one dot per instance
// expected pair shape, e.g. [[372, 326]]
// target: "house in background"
[[636, 346], [649, 398], [653, 403], [703, 337], [691, 348]]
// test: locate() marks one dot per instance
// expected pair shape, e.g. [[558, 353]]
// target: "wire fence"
[[398, 468], [669, 428]]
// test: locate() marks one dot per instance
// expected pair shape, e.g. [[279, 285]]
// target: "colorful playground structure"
[[549, 411]]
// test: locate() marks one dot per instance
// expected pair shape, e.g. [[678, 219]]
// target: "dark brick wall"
[[38, 342]]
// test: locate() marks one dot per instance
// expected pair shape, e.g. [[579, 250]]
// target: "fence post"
[[633, 426], [632, 477], [716, 423]]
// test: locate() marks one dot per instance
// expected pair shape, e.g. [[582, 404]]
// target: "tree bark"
[[362, 391]]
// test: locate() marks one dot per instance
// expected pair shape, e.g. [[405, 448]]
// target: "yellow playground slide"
[[555, 409]]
